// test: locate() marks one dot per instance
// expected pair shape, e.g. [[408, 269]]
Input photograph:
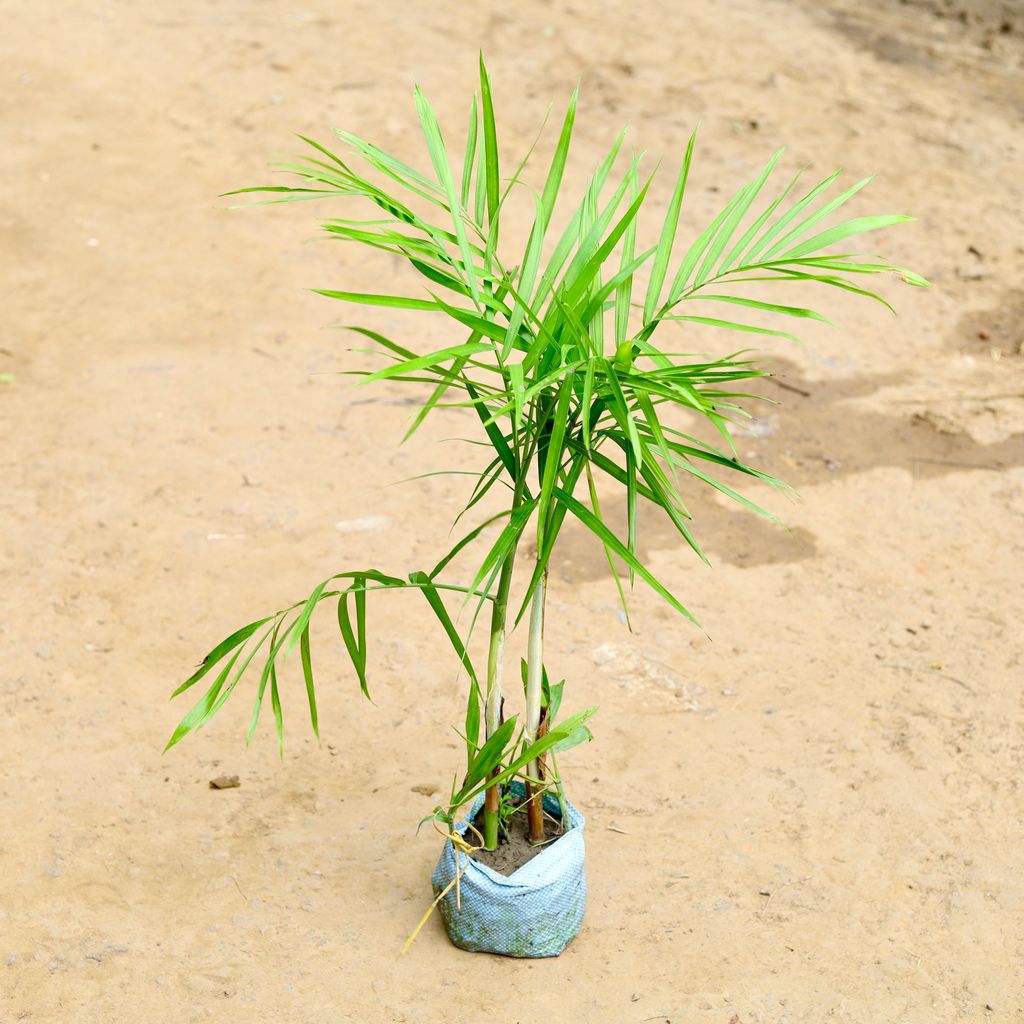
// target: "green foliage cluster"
[[556, 351]]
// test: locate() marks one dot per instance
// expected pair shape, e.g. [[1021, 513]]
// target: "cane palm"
[[555, 352]]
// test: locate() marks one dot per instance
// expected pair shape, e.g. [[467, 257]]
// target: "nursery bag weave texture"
[[534, 912]]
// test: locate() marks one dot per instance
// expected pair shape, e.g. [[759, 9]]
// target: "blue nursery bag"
[[534, 912]]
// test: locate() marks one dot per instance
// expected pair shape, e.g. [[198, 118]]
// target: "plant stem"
[[563, 804], [491, 816], [534, 691], [492, 707]]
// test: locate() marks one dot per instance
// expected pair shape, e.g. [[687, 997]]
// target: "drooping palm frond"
[[276, 635]]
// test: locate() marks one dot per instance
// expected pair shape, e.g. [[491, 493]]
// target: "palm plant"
[[555, 353]]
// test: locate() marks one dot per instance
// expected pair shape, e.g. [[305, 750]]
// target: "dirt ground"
[[814, 815]]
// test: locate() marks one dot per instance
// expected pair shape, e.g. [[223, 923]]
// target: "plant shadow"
[[818, 432]]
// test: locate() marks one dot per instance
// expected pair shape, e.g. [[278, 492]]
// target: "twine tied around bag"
[[459, 844]]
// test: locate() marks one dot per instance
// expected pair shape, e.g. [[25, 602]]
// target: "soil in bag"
[[515, 850]]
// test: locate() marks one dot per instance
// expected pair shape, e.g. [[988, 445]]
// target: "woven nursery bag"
[[534, 912]]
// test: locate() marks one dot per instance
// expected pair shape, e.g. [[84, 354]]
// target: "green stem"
[[563, 804], [492, 707], [534, 696], [495, 664]]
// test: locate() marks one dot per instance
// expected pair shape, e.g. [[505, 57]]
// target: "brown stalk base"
[[488, 824], [535, 811]]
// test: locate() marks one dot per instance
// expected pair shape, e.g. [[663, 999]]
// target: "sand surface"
[[814, 815]]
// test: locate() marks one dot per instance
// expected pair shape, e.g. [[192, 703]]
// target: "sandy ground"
[[813, 816]]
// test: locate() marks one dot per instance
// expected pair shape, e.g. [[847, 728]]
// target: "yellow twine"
[[459, 843]]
